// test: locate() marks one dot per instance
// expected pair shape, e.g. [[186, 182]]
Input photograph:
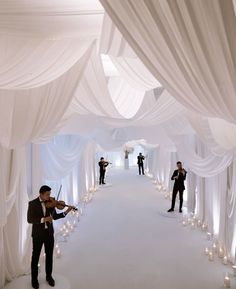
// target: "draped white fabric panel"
[[34, 114], [56, 19], [32, 62], [207, 166], [187, 45]]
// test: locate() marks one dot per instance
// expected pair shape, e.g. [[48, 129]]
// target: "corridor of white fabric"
[[92, 94]]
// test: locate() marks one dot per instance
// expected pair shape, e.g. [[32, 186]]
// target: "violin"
[[60, 205]]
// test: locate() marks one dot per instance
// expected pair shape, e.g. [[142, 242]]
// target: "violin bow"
[[58, 194]]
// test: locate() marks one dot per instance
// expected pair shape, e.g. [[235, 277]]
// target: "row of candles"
[[216, 249], [194, 222]]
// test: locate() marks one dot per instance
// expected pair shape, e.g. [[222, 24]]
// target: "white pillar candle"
[[214, 247], [208, 236], [234, 270], [210, 256], [225, 260], [199, 223], [184, 223], [221, 252], [206, 251], [193, 225], [226, 281], [58, 253]]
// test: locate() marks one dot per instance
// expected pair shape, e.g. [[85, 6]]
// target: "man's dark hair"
[[101, 158], [178, 163], [44, 189]]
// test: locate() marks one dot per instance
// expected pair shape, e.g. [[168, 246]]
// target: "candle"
[[225, 260], [204, 226], [206, 251], [214, 247], [208, 236], [184, 223], [210, 256], [234, 270], [226, 281], [199, 223], [193, 225], [221, 252], [58, 253]]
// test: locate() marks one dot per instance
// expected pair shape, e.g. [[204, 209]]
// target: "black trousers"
[[175, 192], [102, 177], [140, 167], [46, 239]]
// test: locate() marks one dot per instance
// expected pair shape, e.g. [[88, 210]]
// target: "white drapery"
[[55, 82], [187, 45]]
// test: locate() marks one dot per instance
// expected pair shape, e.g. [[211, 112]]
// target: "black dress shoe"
[[170, 210], [35, 284], [103, 183], [51, 281], [180, 210]]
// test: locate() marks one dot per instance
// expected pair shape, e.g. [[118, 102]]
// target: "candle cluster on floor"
[[217, 249]]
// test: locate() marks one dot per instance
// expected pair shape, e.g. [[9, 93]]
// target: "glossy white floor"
[[126, 240]]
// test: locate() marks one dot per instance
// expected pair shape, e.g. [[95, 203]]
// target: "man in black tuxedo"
[[102, 170], [42, 233], [179, 177], [140, 158]]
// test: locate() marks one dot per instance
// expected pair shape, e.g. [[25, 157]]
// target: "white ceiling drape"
[[189, 46], [34, 114]]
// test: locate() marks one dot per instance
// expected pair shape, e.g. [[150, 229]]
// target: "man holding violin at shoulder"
[[102, 170], [41, 213], [179, 176]]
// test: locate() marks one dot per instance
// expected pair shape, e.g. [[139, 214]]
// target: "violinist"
[[179, 177], [41, 215], [102, 170], [140, 159]]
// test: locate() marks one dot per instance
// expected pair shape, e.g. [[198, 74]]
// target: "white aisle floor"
[[125, 240]]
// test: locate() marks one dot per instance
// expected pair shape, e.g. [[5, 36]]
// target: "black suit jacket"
[[35, 214], [140, 160], [179, 183], [102, 166]]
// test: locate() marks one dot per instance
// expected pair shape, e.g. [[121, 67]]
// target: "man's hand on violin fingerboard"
[[48, 219]]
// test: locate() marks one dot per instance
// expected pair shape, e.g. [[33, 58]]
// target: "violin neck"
[[74, 208]]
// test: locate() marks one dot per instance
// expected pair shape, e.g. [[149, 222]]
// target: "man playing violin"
[[42, 233], [179, 177], [102, 165]]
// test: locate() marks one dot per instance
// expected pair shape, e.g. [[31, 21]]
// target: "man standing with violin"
[[41, 213], [102, 164], [179, 177]]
